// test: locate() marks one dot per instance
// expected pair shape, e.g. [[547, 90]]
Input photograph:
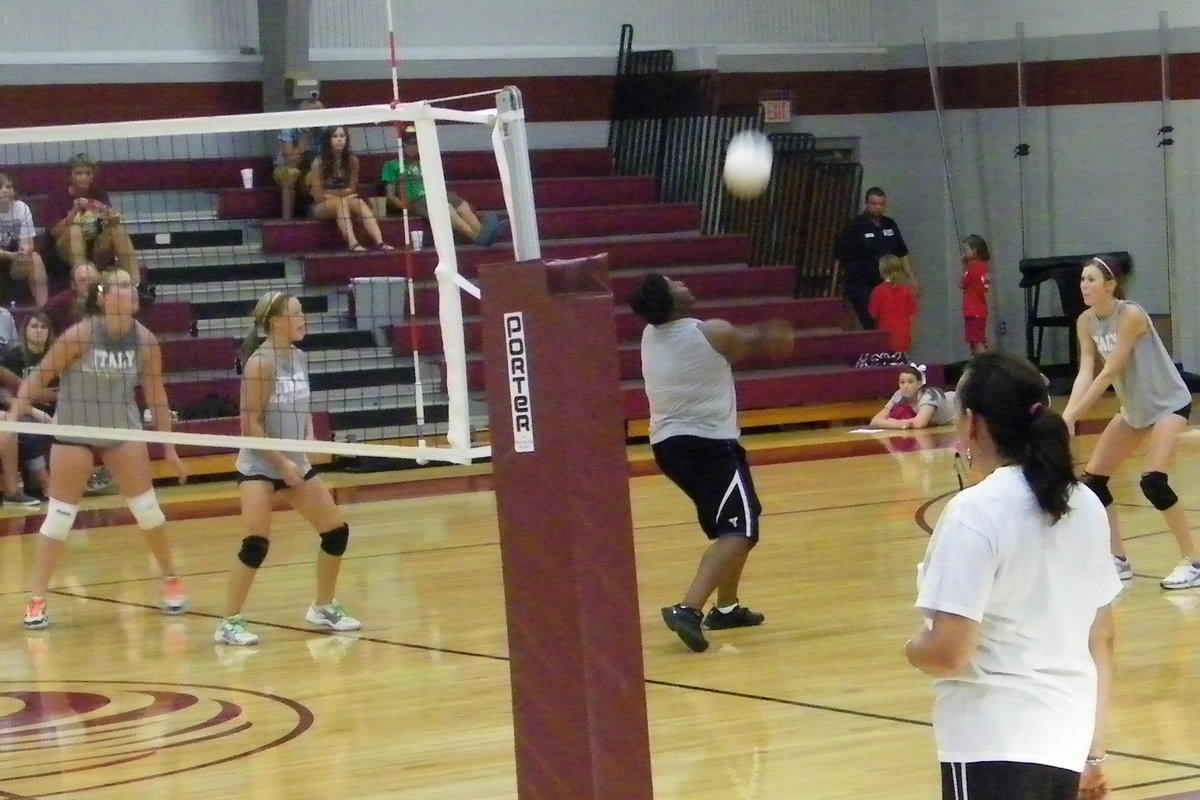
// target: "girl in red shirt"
[[893, 305], [975, 285]]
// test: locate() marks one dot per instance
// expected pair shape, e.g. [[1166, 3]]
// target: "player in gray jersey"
[[1155, 405], [98, 363], [694, 435], [275, 404]]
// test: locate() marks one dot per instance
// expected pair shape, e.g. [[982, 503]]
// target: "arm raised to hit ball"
[[772, 339]]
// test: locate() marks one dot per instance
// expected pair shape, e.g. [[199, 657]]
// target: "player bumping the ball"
[[275, 403], [686, 366]]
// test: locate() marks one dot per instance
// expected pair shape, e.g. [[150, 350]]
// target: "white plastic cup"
[[248, 178], [418, 239]]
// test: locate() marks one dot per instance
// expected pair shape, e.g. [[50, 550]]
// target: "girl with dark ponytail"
[[1016, 589], [1010, 396]]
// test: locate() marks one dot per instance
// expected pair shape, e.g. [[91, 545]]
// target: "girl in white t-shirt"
[[1015, 588], [16, 243], [915, 405]]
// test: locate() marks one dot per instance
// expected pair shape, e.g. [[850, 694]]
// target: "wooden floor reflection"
[[115, 700]]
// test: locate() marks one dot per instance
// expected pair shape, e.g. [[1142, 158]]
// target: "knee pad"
[[254, 551], [334, 542], [1156, 489], [146, 511], [1099, 486], [60, 517]]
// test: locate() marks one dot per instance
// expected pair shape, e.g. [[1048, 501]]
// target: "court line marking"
[[891, 718], [648, 681], [1161, 782], [920, 521], [204, 573]]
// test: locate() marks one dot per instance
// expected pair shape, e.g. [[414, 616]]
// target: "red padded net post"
[[566, 532]]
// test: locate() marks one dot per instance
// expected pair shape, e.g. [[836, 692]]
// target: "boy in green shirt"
[[462, 216]]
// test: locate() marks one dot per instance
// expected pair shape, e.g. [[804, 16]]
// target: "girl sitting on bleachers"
[[333, 184]]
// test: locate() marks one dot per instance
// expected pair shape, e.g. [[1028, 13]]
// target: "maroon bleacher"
[[336, 269], [307, 235], [262, 201], [195, 354], [168, 317]]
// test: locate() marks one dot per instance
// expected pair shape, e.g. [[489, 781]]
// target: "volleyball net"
[[380, 253]]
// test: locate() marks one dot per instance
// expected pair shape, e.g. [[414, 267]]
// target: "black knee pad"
[[334, 541], [1099, 486], [254, 551], [1157, 490]]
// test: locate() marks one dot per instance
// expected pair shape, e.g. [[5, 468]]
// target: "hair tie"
[[261, 319], [921, 369], [1036, 410]]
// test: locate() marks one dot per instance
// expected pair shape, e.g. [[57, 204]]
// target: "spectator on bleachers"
[[36, 338], [10, 464], [10, 472], [9, 338], [333, 183], [462, 217], [90, 228], [915, 405], [17, 233], [298, 148], [65, 308]]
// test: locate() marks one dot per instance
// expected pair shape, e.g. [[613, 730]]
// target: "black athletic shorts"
[[1184, 412], [277, 483], [714, 473], [1007, 780]]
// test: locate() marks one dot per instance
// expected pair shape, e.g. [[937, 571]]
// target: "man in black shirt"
[[867, 238]]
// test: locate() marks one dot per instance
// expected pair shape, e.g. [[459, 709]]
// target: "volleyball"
[[748, 164]]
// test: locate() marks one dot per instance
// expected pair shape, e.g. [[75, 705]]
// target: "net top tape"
[[227, 441], [237, 123]]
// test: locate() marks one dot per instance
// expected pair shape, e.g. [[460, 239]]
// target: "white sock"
[[727, 609]]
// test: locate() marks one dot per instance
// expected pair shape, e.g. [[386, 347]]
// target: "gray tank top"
[[98, 389], [1149, 387], [286, 413], [688, 383]]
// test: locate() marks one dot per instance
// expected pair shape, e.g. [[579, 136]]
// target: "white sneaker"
[[232, 630], [1184, 576], [1124, 568], [332, 616]]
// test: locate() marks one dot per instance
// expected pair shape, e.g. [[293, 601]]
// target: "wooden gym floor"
[[115, 701]]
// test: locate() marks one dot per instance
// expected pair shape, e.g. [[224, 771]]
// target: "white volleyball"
[[748, 164]]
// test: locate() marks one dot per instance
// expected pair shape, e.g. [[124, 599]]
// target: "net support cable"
[[936, 89]]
